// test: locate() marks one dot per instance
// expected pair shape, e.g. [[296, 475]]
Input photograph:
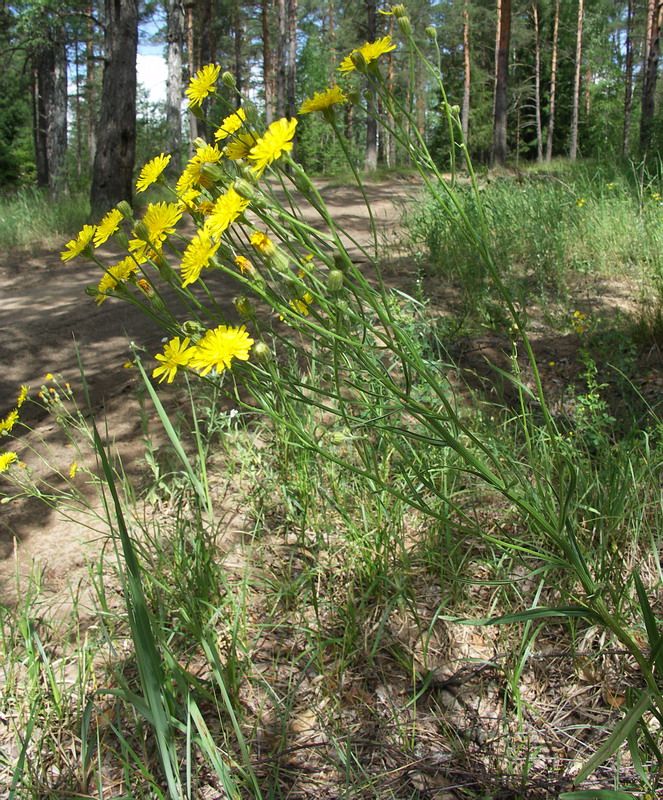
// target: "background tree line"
[[531, 79]]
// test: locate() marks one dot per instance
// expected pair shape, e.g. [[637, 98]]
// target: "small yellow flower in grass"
[[240, 147], [73, 469], [118, 273], [276, 141], [8, 422], [370, 51], [176, 354], [301, 305], [219, 347], [128, 365], [225, 211], [7, 459], [107, 227], [22, 395], [580, 202], [202, 84], [244, 265], [197, 256], [151, 171], [656, 197], [79, 245], [262, 243], [321, 101], [231, 124]]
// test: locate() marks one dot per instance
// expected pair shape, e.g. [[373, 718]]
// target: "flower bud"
[[199, 142], [335, 281], [145, 287], [122, 239], [244, 189], [357, 58], [398, 10], [261, 352], [341, 261], [279, 261], [228, 79], [141, 231], [125, 209], [244, 307], [405, 25], [212, 172], [431, 32], [192, 328]]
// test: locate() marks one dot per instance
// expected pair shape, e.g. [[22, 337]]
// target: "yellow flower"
[[299, 306], [175, 354], [276, 141], [240, 147], [262, 243], [321, 101], [107, 227], [6, 459], [73, 469], [370, 51], [151, 171], [186, 200], [118, 273], [232, 123], [160, 220], [202, 84], [49, 376], [197, 256], [22, 395], [193, 174], [9, 421], [244, 265], [225, 211], [580, 202], [78, 245], [218, 347]]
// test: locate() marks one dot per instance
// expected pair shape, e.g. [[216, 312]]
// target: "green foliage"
[[30, 220]]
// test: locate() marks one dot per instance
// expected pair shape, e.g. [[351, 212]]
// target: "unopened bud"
[[431, 32], [146, 287], [199, 142], [405, 25], [261, 352], [122, 239], [212, 172], [279, 261], [335, 280], [141, 231], [341, 261], [125, 209], [244, 307], [192, 328], [228, 79], [244, 189], [398, 10], [357, 58]]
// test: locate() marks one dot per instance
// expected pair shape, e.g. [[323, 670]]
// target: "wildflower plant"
[[332, 338]]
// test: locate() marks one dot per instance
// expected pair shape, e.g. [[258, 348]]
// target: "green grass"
[[30, 220]]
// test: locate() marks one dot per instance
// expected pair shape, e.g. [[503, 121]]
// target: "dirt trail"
[[44, 315]]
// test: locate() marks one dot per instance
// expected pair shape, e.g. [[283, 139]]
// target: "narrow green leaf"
[[597, 794]]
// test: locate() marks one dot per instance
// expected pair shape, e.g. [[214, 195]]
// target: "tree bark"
[[90, 94], [112, 174], [281, 57], [628, 79], [553, 85], [50, 59], [573, 151], [371, 159], [175, 42], [267, 63], [501, 79], [238, 50], [467, 74], [537, 82], [650, 71], [291, 61]]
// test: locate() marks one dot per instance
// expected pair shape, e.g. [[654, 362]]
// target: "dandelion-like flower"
[[262, 243], [218, 347], [73, 469], [22, 395], [244, 265], [193, 172], [276, 141], [580, 202], [151, 171], [202, 84], [159, 220], [107, 227], [118, 273], [231, 124], [7, 459], [321, 101], [197, 256], [225, 211], [370, 51], [8, 422], [186, 200], [240, 147], [176, 354], [76, 246]]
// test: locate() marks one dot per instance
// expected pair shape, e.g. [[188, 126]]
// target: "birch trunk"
[[553, 85], [628, 79], [573, 151], [174, 88], [537, 82], [467, 74], [501, 79]]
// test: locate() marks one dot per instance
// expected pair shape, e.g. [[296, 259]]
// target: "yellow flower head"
[[107, 227], [73, 469], [262, 243], [7, 459], [240, 147], [321, 101], [244, 265], [22, 395], [151, 171], [276, 141], [219, 347], [232, 123], [78, 245], [202, 84], [160, 220], [118, 273], [370, 51], [225, 211], [186, 200], [580, 202], [193, 172], [197, 256], [8, 422], [175, 354]]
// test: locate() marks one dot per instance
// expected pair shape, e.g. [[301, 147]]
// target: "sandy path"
[[43, 309]]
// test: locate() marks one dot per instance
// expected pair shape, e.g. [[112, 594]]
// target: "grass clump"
[[30, 219]]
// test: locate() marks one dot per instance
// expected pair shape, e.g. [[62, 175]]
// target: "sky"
[[151, 70]]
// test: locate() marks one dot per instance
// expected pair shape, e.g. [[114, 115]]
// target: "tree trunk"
[[553, 85], [192, 63], [175, 42], [112, 175], [291, 61], [537, 82], [628, 79], [281, 57], [371, 159], [267, 63], [39, 131], [90, 93], [50, 60], [573, 151], [238, 50], [467, 74], [650, 71], [501, 79]]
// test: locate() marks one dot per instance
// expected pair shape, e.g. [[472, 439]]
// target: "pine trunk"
[[553, 85], [174, 94], [501, 79], [628, 79], [90, 88], [112, 174], [51, 111], [537, 82], [267, 63], [291, 62], [573, 151], [238, 50], [650, 68], [281, 57], [467, 74], [371, 159]]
